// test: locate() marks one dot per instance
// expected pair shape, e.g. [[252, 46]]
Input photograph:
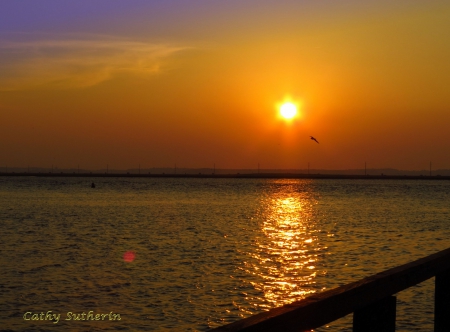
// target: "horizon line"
[[234, 175], [54, 167]]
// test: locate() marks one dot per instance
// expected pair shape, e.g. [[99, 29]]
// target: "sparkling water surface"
[[191, 254]]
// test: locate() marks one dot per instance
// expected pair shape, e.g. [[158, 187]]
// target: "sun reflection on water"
[[284, 261]]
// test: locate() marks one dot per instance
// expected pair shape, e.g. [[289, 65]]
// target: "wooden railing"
[[371, 300]]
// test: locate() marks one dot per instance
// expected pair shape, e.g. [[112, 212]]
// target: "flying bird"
[[314, 139]]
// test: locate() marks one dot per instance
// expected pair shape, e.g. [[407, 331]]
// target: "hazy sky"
[[197, 83]]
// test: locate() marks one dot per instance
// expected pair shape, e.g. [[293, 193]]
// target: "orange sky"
[[197, 83]]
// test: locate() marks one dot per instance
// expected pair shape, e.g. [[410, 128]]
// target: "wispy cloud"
[[77, 62]]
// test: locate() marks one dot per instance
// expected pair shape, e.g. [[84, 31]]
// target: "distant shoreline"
[[230, 176]]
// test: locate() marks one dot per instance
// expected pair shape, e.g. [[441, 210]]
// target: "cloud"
[[77, 62]]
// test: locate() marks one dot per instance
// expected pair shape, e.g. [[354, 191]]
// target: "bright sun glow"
[[288, 110]]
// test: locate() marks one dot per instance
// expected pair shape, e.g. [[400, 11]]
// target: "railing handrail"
[[322, 308]]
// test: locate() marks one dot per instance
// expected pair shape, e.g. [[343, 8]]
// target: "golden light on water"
[[287, 253]]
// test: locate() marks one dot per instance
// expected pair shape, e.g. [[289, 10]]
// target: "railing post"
[[442, 302], [376, 317]]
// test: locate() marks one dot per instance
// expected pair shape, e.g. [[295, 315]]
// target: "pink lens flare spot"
[[129, 256]]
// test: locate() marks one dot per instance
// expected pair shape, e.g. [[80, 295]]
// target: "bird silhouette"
[[314, 139]]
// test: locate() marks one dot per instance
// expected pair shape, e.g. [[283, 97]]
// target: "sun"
[[288, 110]]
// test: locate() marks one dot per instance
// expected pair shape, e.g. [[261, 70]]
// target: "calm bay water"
[[207, 251]]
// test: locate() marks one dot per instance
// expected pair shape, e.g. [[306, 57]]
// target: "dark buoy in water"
[[93, 185]]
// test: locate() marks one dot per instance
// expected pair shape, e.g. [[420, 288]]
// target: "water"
[[207, 251]]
